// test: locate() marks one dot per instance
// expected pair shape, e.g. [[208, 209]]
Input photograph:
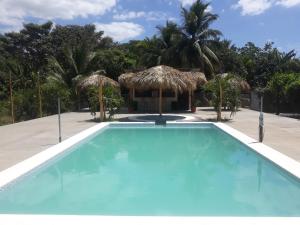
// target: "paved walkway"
[[22, 140]]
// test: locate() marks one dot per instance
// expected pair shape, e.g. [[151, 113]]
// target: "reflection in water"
[[157, 171], [259, 174]]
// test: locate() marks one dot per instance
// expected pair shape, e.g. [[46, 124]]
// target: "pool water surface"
[[156, 171]]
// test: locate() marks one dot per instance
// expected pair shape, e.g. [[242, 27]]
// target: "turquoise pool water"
[[157, 171]]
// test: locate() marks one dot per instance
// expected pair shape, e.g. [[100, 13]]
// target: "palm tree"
[[196, 37], [80, 61], [169, 37]]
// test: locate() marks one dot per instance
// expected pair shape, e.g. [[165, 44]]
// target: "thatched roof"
[[198, 78], [124, 79], [243, 85], [164, 77], [95, 78]]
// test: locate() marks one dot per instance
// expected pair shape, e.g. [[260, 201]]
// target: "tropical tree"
[[31, 47], [169, 38], [196, 37], [278, 87], [225, 90]]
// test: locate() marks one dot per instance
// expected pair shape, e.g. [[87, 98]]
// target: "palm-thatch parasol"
[[99, 79], [240, 82]]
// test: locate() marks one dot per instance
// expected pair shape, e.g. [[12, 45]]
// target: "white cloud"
[[187, 2], [209, 8], [288, 3], [14, 12], [253, 7], [120, 31], [129, 15], [256, 7], [151, 16]]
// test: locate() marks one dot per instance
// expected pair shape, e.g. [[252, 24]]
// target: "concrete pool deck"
[[22, 140]]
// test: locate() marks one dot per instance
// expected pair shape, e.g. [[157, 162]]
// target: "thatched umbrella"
[[198, 79], [241, 83], [99, 79]]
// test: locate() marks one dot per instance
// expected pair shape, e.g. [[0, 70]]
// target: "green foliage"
[[285, 88], [51, 90], [25, 108], [112, 99], [5, 117], [114, 61], [224, 90], [293, 92]]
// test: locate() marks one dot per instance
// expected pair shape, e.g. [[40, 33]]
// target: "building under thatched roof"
[[158, 82]]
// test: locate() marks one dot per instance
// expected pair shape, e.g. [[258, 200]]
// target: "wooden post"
[[160, 100], [190, 99], [11, 99], [101, 99]]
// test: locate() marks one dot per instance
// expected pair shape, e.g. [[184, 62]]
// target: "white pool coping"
[[9, 175], [184, 119]]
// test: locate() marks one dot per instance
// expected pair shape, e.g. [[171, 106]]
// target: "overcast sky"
[[241, 21]]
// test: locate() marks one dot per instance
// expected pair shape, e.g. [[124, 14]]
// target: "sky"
[[259, 21]]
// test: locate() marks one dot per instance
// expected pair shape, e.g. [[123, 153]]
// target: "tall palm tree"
[[80, 61], [169, 36], [196, 36]]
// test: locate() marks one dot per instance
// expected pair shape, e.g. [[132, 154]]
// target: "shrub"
[[230, 90], [50, 93], [284, 88], [112, 100]]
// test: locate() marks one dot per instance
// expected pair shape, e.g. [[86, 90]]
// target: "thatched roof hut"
[[160, 77], [163, 78]]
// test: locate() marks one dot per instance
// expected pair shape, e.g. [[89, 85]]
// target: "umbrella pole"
[[101, 100], [160, 101], [190, 99]]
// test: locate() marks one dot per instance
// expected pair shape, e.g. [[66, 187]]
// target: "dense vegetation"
[[41, 62]]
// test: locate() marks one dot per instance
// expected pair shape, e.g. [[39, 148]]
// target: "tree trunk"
[[11, 99], [101, 100], [219, 113], [39, 96], [160, 101]]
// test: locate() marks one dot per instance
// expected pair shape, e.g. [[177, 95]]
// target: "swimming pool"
[[183, 170]]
